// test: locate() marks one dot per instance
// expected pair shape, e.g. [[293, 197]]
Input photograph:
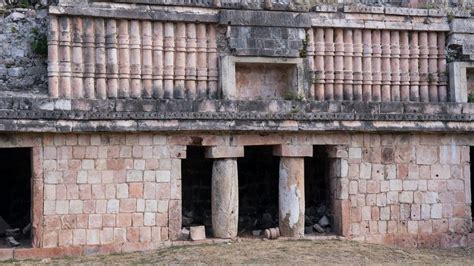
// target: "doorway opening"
[[15, 197], [258, 190], [196, 171], [318, 218]]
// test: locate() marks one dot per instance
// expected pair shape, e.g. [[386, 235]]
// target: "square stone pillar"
[[225, 190], [291, 198]]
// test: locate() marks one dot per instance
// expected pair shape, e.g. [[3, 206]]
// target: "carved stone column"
[[291, 188], [225, 190]]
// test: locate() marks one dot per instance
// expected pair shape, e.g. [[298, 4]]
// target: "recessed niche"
[[256, 81], [261, 78]]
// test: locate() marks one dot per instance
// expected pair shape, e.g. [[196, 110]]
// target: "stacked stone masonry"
[[123, 191]]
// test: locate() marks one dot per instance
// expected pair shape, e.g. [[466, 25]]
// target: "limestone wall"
[[23, 58], [123, 191]]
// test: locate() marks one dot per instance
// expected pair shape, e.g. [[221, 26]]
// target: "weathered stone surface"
[[225, 198], [197, 233], [291, 197]]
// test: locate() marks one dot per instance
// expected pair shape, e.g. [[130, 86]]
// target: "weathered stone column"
[[225, 190], [291, 188]]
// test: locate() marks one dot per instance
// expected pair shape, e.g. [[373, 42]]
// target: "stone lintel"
[[293, 150], [218, 152]]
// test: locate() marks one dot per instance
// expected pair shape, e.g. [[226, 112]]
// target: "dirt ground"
[[283, 252]]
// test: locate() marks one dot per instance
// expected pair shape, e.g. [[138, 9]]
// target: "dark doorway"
[[258, 190], [317, 192], [15, 196], [196, 188]]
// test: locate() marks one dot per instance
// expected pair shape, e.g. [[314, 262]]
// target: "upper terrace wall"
[[368, 53]]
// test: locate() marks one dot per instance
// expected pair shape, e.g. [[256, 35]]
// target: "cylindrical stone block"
[[376, 66], [443, 75], [135, 59], [319, 76], [191, 60], [77, 62], [124, 59], [404, 67], [433, 66], [367, 65], [201, 35], [89, 58], [212, 64], [65, 57], [157, 70], [386, 67], [357, 65], [225, 198], [310, 58], [100, 59], [423, 66], [180, 61], [414, 67], [329, 64], [53, 57], [338, 64], [147, 59], [291, 197], [395, 65], [168, 70], [348, 59], [112, 67]]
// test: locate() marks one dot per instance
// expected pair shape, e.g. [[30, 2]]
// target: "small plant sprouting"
[[39, 42], [293, 96], [470, 97]]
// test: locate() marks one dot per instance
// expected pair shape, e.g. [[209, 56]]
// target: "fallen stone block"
[[256, 232], [198, 233], [318, 228], [12, 242], [184, 234], [324, 221]]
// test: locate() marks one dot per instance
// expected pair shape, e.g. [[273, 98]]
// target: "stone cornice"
[[46, 115]]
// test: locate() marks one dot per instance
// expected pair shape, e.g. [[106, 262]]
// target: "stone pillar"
[[225, 190], [112, 58], [329, 64], [135, 59], [367, 65], [124, 59], [291, 188], [213, 69], [157, 69], [201, 35], [147, 59], [100, 59], [338, 64], [376, 66], [357, 65], [319, 64], [53, 57]]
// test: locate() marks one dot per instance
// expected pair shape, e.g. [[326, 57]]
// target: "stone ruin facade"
[[149, 118]]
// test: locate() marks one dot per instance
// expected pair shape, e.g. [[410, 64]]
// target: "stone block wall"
[[23, 68], [409, 190], [110, 189], [115, 192]]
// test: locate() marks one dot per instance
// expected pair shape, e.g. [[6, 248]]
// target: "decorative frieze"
[[96, 58], [378, 65]]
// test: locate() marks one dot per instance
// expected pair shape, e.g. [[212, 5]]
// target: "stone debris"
[[318, 229], [272, 233], [198, 233], [184, 234], [12, 242], [324, 221], [256, 232]]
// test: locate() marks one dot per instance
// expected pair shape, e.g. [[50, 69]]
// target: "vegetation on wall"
[[39, 42]]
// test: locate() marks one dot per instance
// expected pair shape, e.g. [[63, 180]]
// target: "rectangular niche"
[[261, 78]]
